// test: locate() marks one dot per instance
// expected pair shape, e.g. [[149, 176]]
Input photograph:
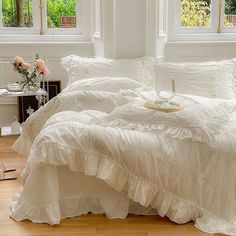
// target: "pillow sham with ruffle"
[[139, 69], [215, 79]]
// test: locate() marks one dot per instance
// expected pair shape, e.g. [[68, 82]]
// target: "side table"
[[41, 96]]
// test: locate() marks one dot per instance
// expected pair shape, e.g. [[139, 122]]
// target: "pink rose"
[[45, 71], [18, 60], [25, 66], [40, 63], [41, 68]]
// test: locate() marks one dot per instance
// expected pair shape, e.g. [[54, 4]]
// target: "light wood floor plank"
[[86, 225]]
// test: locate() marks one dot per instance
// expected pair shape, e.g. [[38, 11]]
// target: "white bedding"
[[92, 151]]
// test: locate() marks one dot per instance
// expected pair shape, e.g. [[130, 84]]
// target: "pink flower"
[[25, 66], [41, 68], [40, 63], [18, 60], [27, 75], [45, 71]]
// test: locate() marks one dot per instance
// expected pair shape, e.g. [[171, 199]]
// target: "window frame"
[[178, 33], [80, 33]]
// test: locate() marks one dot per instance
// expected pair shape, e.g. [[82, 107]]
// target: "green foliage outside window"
[[195, 13], [230, 7], [55, 9], [8, 13], [58, 8], [9, 18]]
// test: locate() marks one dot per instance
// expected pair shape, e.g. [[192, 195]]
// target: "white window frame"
[[80, 33], [178, 33]]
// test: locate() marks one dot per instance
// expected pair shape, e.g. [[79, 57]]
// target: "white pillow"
[[208, 79], [227, 85], [108, 84], [83, 68]]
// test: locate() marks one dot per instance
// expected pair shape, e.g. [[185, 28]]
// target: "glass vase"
[[30, 85]]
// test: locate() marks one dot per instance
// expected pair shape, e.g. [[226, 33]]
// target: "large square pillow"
[[215, 79], [140, 69]]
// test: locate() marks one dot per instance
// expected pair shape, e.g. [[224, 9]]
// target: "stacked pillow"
[[208, 79], [140, 69]]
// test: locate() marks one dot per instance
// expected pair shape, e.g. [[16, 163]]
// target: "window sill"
[[49, 44], [44, 38], [207, 37], [201, 43]]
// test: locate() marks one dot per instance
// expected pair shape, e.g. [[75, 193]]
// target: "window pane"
[[17, 13], [195, 13], [230, 13], [61, 13]]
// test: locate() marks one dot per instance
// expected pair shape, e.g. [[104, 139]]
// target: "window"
[[43, 17], [201, 17]]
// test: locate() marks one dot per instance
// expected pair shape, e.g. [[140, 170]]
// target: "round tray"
[[153, 106]]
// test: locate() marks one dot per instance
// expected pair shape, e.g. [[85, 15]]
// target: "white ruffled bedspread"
[[104, 152]]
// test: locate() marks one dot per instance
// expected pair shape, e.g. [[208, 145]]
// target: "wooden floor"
[[88, 225]]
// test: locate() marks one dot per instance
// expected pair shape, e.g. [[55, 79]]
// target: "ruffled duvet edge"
[[138, 189]]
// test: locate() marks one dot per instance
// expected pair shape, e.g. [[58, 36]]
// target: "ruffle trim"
[[55, 211], [204, 133], [22, 145], [137, 188]]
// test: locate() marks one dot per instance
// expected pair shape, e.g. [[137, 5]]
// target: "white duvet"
[[97, 148]]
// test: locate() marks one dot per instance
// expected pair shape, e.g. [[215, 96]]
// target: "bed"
[[96, 148]]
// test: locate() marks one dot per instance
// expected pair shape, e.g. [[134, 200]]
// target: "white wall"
[[122, 32], [129, 28], [156, 28], [199, 51]]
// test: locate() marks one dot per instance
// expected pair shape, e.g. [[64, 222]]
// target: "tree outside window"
[[197, 13], [19, 13], [230, 13]]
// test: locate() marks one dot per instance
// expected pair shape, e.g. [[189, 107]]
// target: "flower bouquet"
[[30, 74]]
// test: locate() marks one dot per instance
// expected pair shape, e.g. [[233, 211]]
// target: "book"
[[14, 88]]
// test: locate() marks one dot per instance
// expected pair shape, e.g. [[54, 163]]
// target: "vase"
[[30, 85]]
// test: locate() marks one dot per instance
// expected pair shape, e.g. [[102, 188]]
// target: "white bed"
[[96, 148]]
